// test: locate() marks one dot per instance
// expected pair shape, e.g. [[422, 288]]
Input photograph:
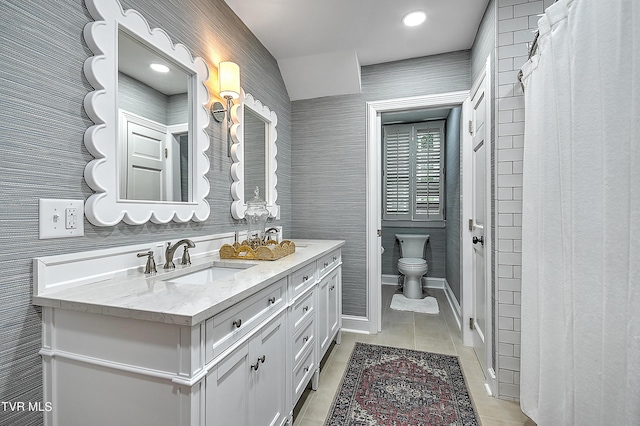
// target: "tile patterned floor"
[[433, 333]]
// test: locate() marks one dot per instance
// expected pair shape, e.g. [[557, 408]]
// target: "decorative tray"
[[271, 250]]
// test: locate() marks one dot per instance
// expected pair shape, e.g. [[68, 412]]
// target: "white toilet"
[[412, 263]]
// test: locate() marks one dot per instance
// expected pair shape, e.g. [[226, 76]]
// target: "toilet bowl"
[[412, 263]]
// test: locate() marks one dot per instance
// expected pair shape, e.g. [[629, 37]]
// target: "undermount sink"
[[207, 276]]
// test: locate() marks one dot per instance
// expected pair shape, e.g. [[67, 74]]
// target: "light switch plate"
[[61, 218]]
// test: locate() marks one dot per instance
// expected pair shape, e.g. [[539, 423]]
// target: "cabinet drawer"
[[302, 279], [328, 262], [303, 339], [302, 374], [227, 327], [303, 308]]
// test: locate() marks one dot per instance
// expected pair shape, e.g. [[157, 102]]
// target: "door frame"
[[466, 235], [372, 324]]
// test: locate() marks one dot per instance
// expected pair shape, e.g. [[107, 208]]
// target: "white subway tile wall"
[[516, 23]]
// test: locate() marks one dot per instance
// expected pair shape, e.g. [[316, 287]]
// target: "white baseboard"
[[353, 324]]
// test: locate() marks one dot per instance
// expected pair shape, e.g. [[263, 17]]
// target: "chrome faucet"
[[171, 249], [269, 232]]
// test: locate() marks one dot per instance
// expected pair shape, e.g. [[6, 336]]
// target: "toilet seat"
[[412, 261]]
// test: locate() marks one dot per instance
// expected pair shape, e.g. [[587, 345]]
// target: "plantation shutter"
[[413, 171], [397, 172], [429, 171]]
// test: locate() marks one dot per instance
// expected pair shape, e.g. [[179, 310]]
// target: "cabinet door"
[[227, 390], [328, 309], [267, 375], [333, 314], [323, 310]]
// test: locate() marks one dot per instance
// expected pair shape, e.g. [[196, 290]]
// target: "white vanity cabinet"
[[246, 387], [144, 350]]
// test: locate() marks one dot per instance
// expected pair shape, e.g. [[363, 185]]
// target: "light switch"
[[61, 218]]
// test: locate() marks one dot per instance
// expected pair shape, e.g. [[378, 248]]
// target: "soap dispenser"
[[256, 217]]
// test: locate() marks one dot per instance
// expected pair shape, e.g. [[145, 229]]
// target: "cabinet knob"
[[272, 300], [306, 369], [305, 278], [305, 309], [237, 323], [335, 258], [326, 264], [305, 339]]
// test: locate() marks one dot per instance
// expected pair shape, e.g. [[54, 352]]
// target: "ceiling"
[[321, 44], [134, 59]]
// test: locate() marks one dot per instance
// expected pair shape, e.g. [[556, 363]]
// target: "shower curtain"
[[580, 354]]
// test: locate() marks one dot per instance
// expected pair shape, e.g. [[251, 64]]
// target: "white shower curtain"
[[580, 354]]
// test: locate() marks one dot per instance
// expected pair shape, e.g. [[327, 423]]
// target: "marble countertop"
[[156, 298]]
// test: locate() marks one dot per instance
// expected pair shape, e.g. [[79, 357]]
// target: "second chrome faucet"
[[171, 249]]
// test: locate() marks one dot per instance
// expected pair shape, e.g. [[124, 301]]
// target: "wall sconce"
[[229, 83]]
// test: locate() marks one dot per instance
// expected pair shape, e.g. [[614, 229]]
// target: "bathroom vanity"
[[232, 342]]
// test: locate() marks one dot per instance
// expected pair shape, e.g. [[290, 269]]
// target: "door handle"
[[477, 240]]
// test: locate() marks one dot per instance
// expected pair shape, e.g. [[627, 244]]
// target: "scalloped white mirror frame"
[[104, 208], [239, 205]]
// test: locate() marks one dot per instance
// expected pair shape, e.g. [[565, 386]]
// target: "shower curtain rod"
[[532, 51]]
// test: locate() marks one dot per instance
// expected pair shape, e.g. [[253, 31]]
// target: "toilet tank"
[[412, 245]]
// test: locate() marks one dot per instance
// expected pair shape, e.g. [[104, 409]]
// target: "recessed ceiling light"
[[414, 18], [159, 67]]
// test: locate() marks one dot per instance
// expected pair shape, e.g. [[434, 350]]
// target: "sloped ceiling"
[[321, 44]]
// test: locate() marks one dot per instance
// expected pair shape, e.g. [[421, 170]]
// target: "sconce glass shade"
[[229, 80]]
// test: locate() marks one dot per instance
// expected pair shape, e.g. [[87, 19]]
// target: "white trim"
[[352, 324], [374, 189], [104, 207]]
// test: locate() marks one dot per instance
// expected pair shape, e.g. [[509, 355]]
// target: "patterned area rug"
[[401, 387]]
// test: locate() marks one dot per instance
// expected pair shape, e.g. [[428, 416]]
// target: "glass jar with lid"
[[256, 217]]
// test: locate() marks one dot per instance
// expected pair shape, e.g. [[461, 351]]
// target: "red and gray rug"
[[401, 387]]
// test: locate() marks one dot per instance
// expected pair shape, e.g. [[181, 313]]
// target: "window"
[[414, 171]]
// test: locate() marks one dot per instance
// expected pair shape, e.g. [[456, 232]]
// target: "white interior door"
[[145, 163], [476, 235], [477, 224]]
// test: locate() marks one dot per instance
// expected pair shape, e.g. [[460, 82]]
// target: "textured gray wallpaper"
[[42, 154], [140, 99], [329, 157]]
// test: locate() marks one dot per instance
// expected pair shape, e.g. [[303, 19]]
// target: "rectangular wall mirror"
[[254, 155], [153, 143]]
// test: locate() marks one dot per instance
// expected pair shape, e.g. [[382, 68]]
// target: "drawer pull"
[[335, 258], [257, 364], [305, 339], [306, 369], [272, 300], [237, 323], [332, 287], [305, 278], [305, 309], [326, 264]]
